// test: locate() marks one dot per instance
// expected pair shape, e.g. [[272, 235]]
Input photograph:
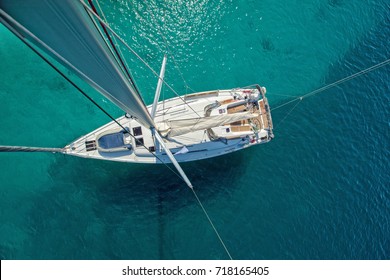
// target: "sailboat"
[[184, 128]]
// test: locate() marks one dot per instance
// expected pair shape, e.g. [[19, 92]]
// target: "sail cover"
[[180, 127], [66, 28]]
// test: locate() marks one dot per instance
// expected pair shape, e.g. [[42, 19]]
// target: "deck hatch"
[[137, 131], [90, 145], [139, 142]]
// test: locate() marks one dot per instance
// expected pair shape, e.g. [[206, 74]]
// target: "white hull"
[[199, 144]]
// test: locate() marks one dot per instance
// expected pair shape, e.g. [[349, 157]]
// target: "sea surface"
[[319, 190]]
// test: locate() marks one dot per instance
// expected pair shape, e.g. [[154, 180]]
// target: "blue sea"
[[319, 190]]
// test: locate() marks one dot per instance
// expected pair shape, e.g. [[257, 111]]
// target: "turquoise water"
[[319, 190]]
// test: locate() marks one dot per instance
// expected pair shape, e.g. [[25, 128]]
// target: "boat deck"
[[261, 121], [200, 143]]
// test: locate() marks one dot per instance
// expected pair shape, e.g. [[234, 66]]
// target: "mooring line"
[[314, 92], [285, 95], [292, 109]]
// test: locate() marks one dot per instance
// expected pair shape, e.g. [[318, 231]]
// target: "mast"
[[158, 88], [172, 159], [64, 29]]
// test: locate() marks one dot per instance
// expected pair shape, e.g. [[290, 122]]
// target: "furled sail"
[[66, 31], [180, 127]]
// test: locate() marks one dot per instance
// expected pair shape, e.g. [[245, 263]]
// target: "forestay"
[[65, 27]]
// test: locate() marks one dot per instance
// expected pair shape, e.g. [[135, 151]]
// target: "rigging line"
[[136, 54], [4, 18], [211, 223], [292, 109], [188, 87], [169, 50], [107, 44], [94, 102], [116, 43], [284, 104], [296, 96], [114, 39], [178, 69], [116, 51], [30, 149], [248, 86], [17, 34], [314, 92], [105, 112]]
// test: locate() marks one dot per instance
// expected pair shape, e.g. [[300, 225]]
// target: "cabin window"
[[139, 142], [137, 131], [152, 149]]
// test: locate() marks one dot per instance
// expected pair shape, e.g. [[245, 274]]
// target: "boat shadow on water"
[[120, 183], [90, 201]]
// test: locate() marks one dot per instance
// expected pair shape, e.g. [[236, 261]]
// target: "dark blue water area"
[[339, 146]]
